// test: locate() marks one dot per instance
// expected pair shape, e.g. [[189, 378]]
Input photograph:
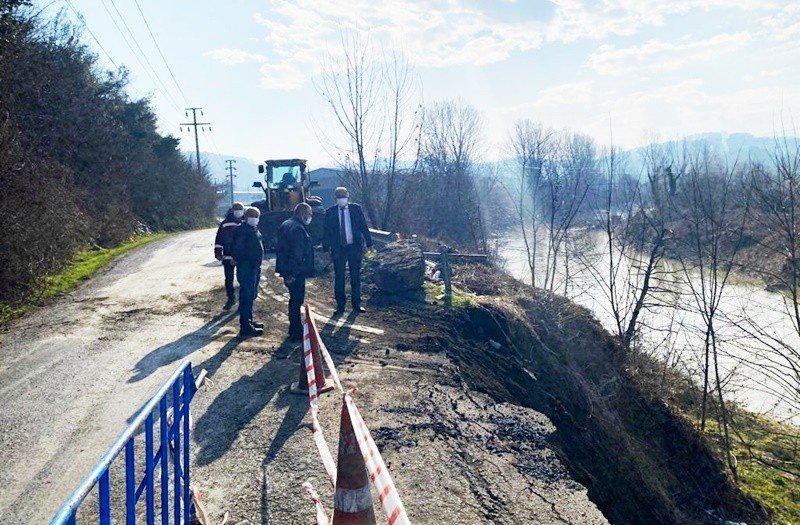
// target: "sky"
[[619, 70]]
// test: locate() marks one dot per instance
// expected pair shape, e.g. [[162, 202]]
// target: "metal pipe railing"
[[183, 387]]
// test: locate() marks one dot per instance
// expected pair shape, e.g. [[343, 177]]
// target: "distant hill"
[[246, 170], [741, 146]]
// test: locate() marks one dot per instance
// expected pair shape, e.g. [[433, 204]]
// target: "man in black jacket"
[[346, 236], [222, 248], [247, 252], [294, 262]]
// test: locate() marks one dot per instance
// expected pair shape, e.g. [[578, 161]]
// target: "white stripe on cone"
[[378, 473], [352, 500]]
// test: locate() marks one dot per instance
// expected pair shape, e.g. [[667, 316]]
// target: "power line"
[[94, 37], [155, 41], [139, 47]]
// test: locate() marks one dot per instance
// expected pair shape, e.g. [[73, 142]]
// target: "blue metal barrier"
[[174, 437]]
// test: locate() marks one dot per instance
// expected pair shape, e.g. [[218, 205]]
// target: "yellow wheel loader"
[[286, 184]]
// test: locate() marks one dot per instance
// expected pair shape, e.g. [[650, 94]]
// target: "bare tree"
[[715, 210], [566, 181], [529, 144], [628, 269], [450, 144], [776, 214], [376, 106]]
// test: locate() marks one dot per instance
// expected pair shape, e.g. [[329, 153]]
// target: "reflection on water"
[[752, 324]]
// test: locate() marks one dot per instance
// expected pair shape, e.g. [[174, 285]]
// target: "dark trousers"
[[248, 276], [351, 257], [229, 271], [297, 295]]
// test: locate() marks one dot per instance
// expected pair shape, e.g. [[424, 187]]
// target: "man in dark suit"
[[346, 236], [294, 261]]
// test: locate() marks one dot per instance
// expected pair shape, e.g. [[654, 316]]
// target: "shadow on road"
[[180, 348], [337, 338], [233, 409]]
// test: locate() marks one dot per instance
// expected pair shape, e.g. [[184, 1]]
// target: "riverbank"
[[767, 452]]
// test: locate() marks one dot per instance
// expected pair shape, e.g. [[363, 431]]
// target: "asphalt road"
[[72, 372]]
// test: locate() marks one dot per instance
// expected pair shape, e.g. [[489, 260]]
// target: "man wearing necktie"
[[346, 237]]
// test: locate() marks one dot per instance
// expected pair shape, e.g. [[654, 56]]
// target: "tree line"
[[81, 162]]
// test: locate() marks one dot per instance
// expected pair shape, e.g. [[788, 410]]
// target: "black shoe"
[[359, 309], [250, 332], [256, 324], [229, 304]]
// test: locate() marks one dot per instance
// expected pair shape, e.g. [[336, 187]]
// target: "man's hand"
[[233, 262], [288, 281]]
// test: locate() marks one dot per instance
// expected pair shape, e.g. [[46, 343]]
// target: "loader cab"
[[286, 184]]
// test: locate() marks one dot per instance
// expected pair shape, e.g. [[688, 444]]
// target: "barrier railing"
[[382, 237], [173, 440]]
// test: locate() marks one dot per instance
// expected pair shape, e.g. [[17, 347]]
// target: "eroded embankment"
[[640, 462]]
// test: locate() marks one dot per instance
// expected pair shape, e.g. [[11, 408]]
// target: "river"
[[752, 326]]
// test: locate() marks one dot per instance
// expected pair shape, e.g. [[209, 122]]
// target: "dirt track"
[[74, 371]]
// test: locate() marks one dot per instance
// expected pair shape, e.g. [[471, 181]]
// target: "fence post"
[[444, 259]]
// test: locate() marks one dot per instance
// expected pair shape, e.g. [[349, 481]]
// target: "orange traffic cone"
[[310, 345], [352, 500]]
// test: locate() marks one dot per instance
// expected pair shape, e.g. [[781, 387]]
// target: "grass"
[[765, 450], [85, 264], [461, 299]]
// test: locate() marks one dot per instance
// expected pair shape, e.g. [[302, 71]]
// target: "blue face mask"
[[342, 202], [238, 213], [252, 221]]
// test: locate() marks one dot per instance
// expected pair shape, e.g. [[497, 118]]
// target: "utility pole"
[[194, 123], [231, 169]]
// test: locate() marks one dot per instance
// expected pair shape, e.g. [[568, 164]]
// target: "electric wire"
[[136, 56], [155, 41], [91, 33], [141, 51]]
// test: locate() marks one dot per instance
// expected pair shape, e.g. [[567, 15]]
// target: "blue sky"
[[641, 68]]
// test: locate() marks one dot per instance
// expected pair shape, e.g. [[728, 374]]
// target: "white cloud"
[[578, 19], [560, 95], [431, 33], [659, 56], [232, 57], [785, 25]]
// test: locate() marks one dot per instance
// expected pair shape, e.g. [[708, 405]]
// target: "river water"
[[752, 325]]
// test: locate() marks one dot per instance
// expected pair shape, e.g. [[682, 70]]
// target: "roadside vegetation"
[[81, 162], [84, 264]]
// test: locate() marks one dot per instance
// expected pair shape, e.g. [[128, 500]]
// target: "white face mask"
[[307, 221], [252, 221], [342, 202], [238, 213]]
